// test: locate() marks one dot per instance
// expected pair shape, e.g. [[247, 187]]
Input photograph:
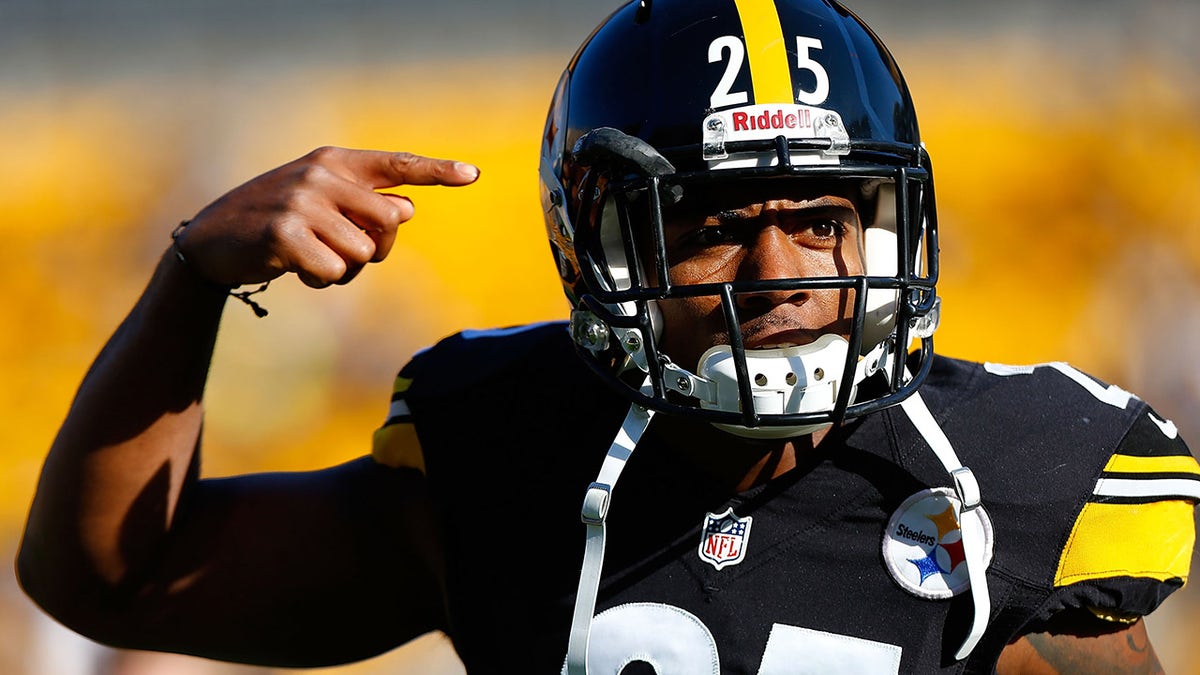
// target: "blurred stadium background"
[[1065, 134]]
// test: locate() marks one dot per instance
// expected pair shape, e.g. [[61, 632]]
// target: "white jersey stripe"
[[398, 409], [1165, 488]]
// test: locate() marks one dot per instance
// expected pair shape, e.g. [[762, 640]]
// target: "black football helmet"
[[670, 101]]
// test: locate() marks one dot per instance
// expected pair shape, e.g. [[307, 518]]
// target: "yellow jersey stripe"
[[770, 73], [401, 384], [1167, 464], [397, 446], [1152, 540]]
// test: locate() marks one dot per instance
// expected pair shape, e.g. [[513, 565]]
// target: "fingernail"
[[468, 170]]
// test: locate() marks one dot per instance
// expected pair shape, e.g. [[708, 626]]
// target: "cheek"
[[719, 264], [690, 326], [829, 310], [842, 261], [851, 257]]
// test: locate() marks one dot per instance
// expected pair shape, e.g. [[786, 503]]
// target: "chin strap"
[[595, 510], [970, 517]]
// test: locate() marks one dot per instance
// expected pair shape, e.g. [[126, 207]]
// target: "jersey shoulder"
[[455, 374], [1082, 471], [464, 360], [1042, 390], [482, 395]]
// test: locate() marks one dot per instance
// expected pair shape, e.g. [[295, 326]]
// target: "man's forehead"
[[756, 206], [783, 193]]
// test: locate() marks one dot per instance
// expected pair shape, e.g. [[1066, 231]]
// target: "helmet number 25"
[[724, 96]]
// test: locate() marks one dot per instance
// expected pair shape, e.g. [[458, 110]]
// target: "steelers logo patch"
[[922, 546]]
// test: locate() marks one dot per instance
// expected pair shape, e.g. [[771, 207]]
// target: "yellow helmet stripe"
[[766, 51]]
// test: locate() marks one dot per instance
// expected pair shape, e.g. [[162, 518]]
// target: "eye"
[[827, 228], [713, 235], [821, 232]]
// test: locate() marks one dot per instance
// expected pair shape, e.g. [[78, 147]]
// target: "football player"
[[743, 217]]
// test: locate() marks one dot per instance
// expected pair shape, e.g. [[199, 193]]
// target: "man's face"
[[756, 234]]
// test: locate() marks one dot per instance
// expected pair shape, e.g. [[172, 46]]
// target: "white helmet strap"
[[594, 514], [970, 516]]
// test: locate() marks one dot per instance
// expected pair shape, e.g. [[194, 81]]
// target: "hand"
[[318, 216]]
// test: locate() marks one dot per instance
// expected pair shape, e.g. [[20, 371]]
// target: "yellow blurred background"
[[1065, 136]]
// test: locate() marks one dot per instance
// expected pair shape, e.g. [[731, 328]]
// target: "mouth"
[[784, 328], [775, 345], [773, 338]]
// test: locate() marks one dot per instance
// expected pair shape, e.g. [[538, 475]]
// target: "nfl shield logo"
[[723, 539]]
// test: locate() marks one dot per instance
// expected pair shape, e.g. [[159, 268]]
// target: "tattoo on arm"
[[1123, 652], [1141, 645]]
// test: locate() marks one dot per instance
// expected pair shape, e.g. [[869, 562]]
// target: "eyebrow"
[[818, 205], [731, 216]]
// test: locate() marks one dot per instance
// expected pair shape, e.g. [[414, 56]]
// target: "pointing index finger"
[[390, 169]]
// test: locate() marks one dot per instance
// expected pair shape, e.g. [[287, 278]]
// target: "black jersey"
[[848, 563]]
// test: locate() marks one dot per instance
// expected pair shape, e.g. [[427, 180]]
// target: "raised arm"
[[125, 545]]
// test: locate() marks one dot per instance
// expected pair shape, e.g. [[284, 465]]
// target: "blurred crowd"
[[1065, 137]]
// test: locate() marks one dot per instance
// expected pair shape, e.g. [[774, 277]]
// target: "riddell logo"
[[772, 119]]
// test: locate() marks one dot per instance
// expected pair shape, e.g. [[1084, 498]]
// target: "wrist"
[[181, 261]]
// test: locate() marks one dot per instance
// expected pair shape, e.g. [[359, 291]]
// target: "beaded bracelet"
[[244, 296]]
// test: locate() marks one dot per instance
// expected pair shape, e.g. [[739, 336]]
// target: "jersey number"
[[724, 95], [675, 642], [1111, 395]]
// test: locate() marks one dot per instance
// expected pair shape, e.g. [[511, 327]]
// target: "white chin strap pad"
[[783, 381]]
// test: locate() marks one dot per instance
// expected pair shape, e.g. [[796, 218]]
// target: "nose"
[[771, 254]]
